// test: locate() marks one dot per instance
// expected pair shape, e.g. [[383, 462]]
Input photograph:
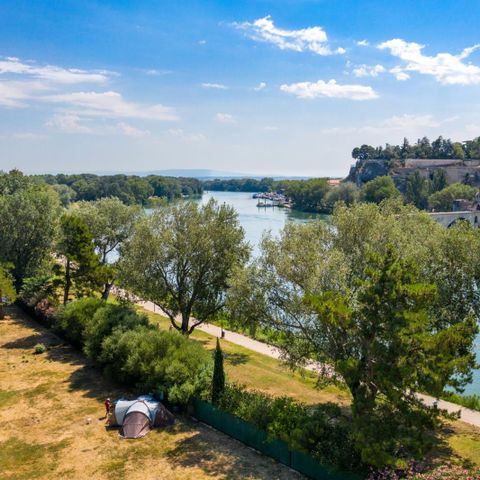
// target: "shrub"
[[39, 348], [218, 380], [412, 472], [37, 288], [324, 431], [447, 472], [72, 320], [106, 319], [157, 361]]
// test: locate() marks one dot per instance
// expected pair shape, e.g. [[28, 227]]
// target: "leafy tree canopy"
[[324, 288], [28, 224], [442, 200], [379, 189], [182, 257]]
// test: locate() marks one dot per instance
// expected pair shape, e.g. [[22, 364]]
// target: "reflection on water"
[[256, 220]]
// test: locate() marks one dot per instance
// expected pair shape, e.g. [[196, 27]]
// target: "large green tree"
[[380, 344], [438, 180], [182, 257], [350, 296], [28, 223], [379, 189], [442, 201], [82, 268], [111, 224], [346, 192], [418, 190], [308, 195]]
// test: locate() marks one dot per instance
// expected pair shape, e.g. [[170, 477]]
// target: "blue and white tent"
[[137, 417]]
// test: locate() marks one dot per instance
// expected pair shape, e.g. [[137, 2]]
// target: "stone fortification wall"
[[426, 163]]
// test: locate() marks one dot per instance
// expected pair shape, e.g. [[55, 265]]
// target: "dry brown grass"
[[52, 426]]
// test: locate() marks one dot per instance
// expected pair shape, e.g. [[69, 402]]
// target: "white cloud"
[[225, 118], [153, 72], [330, 89], [13, 65], [111, 105], [186, 136], [72, 123], [215, 86], [130, 131], [399, 73], [398, 124], [260, 86], [446, 68], [15, 93], [68, 123], [363, 43], [368, 70], [313, 39], [270, 128]]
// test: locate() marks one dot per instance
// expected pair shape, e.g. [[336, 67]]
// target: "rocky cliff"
[[457, 171]]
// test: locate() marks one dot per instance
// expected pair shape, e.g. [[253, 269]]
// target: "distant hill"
[[204, 174], [200, 173]]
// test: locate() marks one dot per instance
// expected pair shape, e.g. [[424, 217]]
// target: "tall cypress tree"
[[218, 380]]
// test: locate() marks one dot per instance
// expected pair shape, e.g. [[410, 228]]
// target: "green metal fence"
[[258, 439]]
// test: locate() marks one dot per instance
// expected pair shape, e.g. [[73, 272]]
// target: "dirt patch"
[[52, 426]]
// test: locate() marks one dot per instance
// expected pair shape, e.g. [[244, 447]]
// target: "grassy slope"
[[51, 425]]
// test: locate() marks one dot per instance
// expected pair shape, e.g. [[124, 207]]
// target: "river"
[[256, 220]]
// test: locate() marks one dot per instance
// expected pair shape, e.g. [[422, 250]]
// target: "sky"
[[272, 87]]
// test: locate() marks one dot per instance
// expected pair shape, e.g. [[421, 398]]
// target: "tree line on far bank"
[[387, 299], [440, 148], [130, 189]]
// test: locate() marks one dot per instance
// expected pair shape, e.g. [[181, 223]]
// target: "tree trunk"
[[106, 291], [185, 323], [2, 312], [68, 282]]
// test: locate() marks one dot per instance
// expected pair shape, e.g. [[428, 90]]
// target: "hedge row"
[[131, 350], [322, 431]]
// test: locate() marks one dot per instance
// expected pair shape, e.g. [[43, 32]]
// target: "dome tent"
[[136, 417]]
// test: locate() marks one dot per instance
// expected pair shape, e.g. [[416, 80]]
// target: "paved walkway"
[[471, 417]]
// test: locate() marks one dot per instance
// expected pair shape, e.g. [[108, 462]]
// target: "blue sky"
[[264, 87]]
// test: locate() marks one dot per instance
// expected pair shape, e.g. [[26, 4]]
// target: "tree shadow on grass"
[[220, 456], [236, 358], [87, 377], [442, 452]]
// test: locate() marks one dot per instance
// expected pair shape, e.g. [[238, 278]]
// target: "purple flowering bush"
[[445, 472]]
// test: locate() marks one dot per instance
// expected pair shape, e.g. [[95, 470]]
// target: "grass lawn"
[[264, 373], [52, 426]]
